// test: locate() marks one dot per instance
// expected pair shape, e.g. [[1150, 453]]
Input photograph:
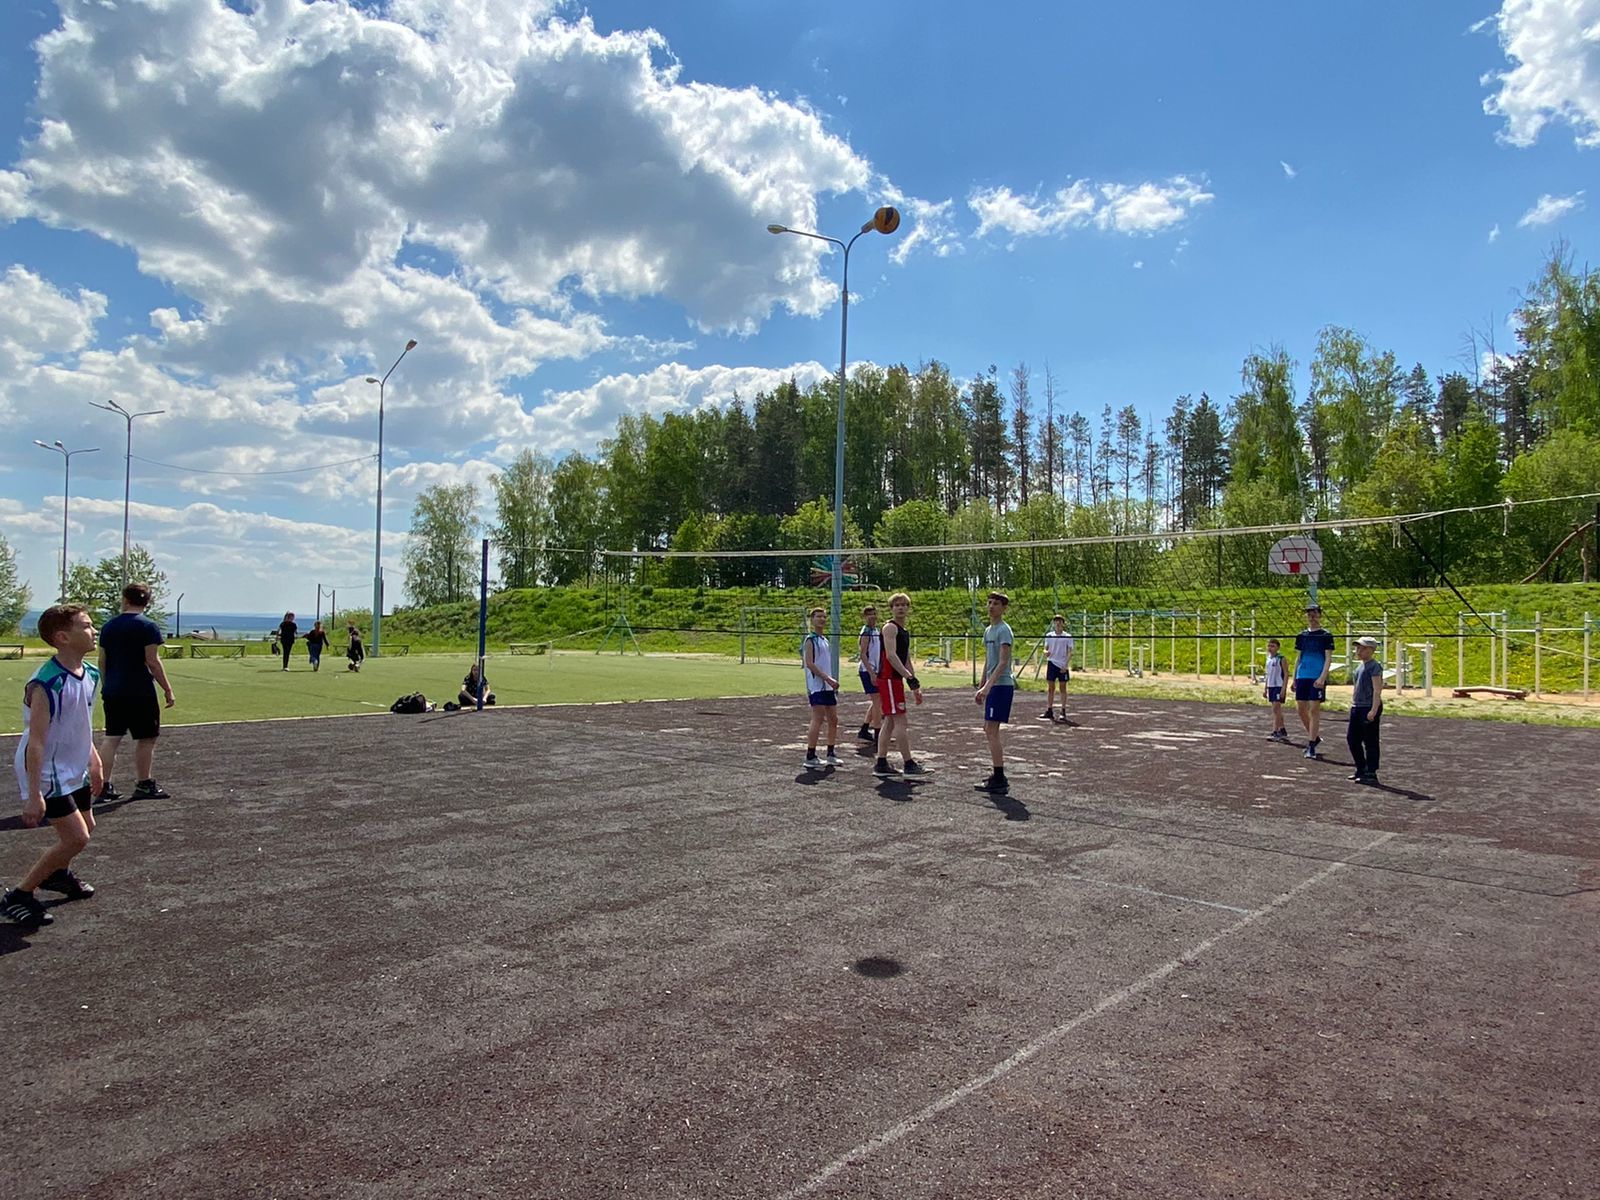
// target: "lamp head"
[[372, 379], [411, 345], [60, 445], [777, 229], [41, 445]]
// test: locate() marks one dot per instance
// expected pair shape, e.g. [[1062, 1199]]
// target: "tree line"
[[933, 459]]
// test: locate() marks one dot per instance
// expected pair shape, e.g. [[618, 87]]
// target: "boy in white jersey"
[[58, 768], [822, 690], [1057, 666], [869, 653], [1272, 690]]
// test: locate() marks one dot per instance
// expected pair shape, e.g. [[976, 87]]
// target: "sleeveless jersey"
[[69, 741]]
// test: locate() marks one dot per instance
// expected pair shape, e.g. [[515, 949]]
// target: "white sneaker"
[[813, 763], [832, 759]]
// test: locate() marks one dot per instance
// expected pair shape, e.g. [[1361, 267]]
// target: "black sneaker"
[[883, 770], [1370, 780], [23, 908], [66, 882], [149, 789], [913, 767], [1358, 777], [108, 793], [1049, 714], [993, 783]]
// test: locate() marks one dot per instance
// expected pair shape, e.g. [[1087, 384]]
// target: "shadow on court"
[[619, 950]]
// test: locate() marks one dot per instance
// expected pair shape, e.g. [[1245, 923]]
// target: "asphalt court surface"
[[637, 950]]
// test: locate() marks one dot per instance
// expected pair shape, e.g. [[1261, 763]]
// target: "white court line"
[[1047, 1039]]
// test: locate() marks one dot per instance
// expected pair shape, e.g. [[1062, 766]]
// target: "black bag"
[[415, 702]]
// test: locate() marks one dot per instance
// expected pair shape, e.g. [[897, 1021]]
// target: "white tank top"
[[822, 656], [70, 739]]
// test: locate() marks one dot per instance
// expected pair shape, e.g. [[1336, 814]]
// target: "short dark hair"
[[57, 619], [1000, 596], [137, 594]]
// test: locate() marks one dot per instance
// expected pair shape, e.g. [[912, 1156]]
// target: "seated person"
[[469, 689]]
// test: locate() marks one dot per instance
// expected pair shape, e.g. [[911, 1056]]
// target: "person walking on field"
[[287, 632], [998, 689], [893, 680], [57, 766], [1313, 651], [355, 651], [1057, 666], [869, 652], [822, 692], [316, 642], [1366, 708], [131, 669]]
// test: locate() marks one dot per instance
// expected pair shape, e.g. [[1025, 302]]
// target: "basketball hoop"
[[1295, 556]]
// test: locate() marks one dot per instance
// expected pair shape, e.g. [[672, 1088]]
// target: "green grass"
[[253, 689]]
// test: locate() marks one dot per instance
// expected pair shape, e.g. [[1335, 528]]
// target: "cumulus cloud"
[[40, 321], [1555, 48], [573, 417], [13, 196], [1144, 208], [1549, 209]]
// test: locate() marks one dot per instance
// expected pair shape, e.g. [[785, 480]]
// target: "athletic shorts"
[[1053, 673], [997, 704], [891, 694], [64, 806], [867, 685], [1275, 694], [136, 715], [826, 698], [1307, 689]]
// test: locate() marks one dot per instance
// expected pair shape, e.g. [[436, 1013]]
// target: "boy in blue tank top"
[[58, 768]]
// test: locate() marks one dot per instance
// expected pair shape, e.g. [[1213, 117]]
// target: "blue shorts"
[[997, 705], [867, 685], [823, 699], [1275, 694], [1053, 673], [1307, 690]]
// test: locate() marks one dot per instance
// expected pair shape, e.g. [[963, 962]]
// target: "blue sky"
[[236, 212]]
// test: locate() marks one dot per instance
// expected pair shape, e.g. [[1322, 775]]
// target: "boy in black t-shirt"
[[131, 668]]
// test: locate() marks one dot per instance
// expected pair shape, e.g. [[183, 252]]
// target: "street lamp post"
[[112, 406], [885, 220], [66, 496], [177, 631], [377, 552]]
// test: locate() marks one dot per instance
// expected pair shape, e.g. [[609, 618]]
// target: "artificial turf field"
[[633, 950]]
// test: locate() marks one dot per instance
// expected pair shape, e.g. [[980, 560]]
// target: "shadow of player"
[[1009, 806]]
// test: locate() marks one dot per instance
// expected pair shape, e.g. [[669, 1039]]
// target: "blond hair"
[[897, 597]]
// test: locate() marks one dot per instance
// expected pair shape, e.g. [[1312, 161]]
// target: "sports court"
[[633, 950]]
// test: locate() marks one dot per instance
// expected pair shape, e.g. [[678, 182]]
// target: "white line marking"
[[1049, 1038], [1144, 891]]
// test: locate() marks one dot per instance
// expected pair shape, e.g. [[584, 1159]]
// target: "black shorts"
[[136, 715], [1307, 691], [64, 806], [1053, 673]]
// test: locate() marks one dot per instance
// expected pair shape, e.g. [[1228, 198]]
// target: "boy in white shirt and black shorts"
[[1057, 665]]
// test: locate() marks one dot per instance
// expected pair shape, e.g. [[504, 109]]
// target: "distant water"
[[237, 627]]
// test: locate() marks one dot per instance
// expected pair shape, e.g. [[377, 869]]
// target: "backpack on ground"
[[414, 702]]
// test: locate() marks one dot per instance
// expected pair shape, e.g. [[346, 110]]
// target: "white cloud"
[[1138, 264], [574, 417], [1287, 169], [931, 228], [1555, 46], [1548, 209], [39, 321], [1144, 208], [13, 196], [1494, 234]]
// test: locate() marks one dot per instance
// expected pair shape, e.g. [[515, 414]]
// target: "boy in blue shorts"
[[58, 768], [822, 690], [869, 653], [1313, 655], [998, 688], [1272, 690]]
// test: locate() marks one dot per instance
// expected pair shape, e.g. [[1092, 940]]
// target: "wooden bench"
[[1466, 693], [11, 650], [173, 649]]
